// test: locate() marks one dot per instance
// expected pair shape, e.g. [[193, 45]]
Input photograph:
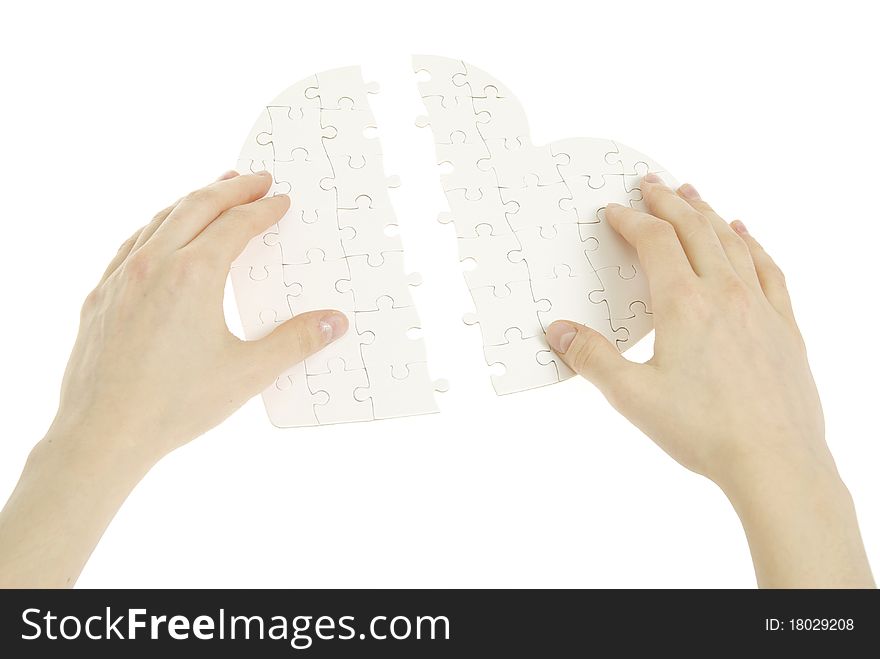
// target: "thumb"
[[589, 354], [292, 341]]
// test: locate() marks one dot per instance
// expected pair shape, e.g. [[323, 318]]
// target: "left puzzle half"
[[336, 248]]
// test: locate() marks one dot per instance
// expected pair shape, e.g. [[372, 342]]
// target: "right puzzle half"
[[530, 222]]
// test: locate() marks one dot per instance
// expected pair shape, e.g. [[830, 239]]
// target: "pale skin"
[[728, 392]]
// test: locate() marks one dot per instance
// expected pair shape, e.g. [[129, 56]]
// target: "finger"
[[121, 254], [291, 343], [591, 355], [656, 243], [228, 174], [154, 224], [201, 207], [227, 236], [734, 246], [159, 217], [769, 274], [695, 232]]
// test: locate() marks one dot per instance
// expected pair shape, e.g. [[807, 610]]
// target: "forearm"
[[68, 493], [801, 527]]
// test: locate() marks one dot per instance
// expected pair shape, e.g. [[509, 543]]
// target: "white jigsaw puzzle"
[[544, 208], [529, 219], [336, 248], [527, 362]]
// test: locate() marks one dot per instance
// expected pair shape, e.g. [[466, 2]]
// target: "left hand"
[[154, 364]]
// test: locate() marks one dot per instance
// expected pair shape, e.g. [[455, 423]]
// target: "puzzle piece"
[[260, 298], [543, 249], [590, 195], [288, 401], [404, 391], [368, 230], [292, 128], [338, 386], [302, 94], [498, 106], [630, 162], [620, 290], [385, 335], [435, 75], [449, 115], [519, 356], [499, 309], [506, 120], [631, 183], [636, 326], [350, 133], [344, 88], [351, 177], [304, 170], [537, 206], [568, 298], [347, 348], [471, 208], [492, 256], [464, 160], [605, 248], [581, 157], [260, 250], [369, 282], [514, 162], [300, 178], [507, 124], [298, 235], [255, 150], [313, 284], [480, 84], [249, 166]]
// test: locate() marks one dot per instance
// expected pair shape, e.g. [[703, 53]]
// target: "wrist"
[[800, 523], [766, 475], [70, 489], [775, 490], [91, 453]]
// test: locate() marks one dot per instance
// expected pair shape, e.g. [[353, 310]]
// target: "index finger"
[[660, 252], [228, 235], [201, 207]]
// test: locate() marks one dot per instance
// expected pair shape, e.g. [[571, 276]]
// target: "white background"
[[110, 113]]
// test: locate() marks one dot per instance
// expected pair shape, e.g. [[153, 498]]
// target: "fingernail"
[[560, 335], [689, 192], [263, 173], [739, 227], [227, 175], [611, 210], [332, 326], [652, 178]]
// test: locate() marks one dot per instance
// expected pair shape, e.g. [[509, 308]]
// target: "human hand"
[[154, 364], [728, 392], [729, 382]]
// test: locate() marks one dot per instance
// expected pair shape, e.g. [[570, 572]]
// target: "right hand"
[[728, 389]]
